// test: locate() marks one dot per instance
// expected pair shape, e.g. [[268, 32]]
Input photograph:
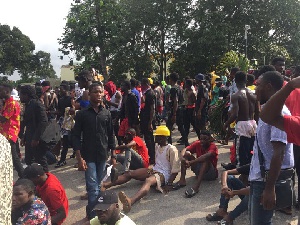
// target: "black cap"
[[33, 171], [200, 77], [105, 200]]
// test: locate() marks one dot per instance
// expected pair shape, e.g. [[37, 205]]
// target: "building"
[[67, 73]]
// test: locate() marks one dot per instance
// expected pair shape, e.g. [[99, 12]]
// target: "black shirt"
[[63, 103], [130, 109], [149, 101], [176, 91], [35, 120], [97, 134], [202, 94]]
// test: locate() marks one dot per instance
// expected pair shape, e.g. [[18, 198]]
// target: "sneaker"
[[60, 164], [224, 222]]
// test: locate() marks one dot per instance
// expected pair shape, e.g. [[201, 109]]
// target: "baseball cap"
[[33, 171], [105, 200], [200, 77]]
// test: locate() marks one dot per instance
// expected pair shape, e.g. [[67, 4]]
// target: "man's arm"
[[271, 112], [234, 110], [152, 113], [127, 146], [275, 167], [42, 120], [60, 215], [203, 158]]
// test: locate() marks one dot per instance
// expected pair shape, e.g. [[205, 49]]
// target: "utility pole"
[[247, 27]]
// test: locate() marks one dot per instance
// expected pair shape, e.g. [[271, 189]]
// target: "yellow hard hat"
[[162, 130]]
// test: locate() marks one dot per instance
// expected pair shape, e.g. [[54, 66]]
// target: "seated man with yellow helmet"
[[163, 173]]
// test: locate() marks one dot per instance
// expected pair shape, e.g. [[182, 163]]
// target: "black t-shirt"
[[202, 93], [63, 103], [244, 170], [149, 100], [176, 91]]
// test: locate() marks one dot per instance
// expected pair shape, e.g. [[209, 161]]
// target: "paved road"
[[156, 208]]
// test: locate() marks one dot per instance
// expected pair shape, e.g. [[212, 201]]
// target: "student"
[[51, 191], [204, 165], [108, 211], [161, 175]]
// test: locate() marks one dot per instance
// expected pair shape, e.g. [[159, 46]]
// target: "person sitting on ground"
[[26, 207], [108, 211], [49, 188], [232, 186], [136, 154], [162, 174], [204, 165]]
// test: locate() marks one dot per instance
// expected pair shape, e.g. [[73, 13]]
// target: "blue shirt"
[[265, 135], [138, 96]]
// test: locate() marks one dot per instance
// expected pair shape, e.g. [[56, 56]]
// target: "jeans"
[[132, 160], [93, 178], [258, 215], [15, 158], [235, 184]]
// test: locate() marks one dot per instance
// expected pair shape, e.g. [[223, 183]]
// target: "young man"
[[35, 121], [232, 186], [94, 126], [108, 211], [162, 174], [216, 92], [147, 117], [276, 151], [204, 165], [136, 152], [10, 124], [133, 84], [242, 112], [129, 111], [51, 191], [279, 64]]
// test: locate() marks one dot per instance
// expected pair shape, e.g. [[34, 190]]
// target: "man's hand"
[[82, 165], [225, 190], [268, 199], [34, 143], [22, 143]]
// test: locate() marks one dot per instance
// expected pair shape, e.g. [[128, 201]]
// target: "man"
[[296, 72], [175, 108], [216, 92], [160, 98], [250, 82], [84, 79], [34, 122], [275, 149], [204, 165], [189, 95], [232, 186], [108, 211], [94, 125], [242, 112], [114, 106], [10, 124], [136, 152], [279, 64], [64, 102], [129, 111], [201, 107], [133, 84], [147, 117], [162, 174], [6, 178], [51, 191]]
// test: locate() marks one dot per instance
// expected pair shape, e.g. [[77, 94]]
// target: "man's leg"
[[170, 124], [239, 209], [204, 167], [40, 155], [136, 160], [139, 174], [16, 160], [64, 152], [149, 140], [258, 216], [28, 153], [245, 148], [179, 121], [296, 149], [187, 121], [182, 180]]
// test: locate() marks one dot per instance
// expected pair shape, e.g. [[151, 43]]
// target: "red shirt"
[[142, 150], [293, 103], [11, 111], [53, 195], [291, 127], [196, 147]]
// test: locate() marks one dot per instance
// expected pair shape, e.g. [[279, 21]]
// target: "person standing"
[[6, 177], [147, 116], [10, 124], [34, 123], [94, 125]]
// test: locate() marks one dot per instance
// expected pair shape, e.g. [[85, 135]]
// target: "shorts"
[[123, 127], [160, 179], [211, 173]]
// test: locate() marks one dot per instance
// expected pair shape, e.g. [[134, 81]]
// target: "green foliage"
[[233, 59]]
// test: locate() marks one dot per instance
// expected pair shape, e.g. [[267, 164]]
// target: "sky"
[[42, 21]]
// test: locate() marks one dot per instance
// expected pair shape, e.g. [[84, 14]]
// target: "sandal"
[[125, 201], [189, 193], [224, 222], [177, 186], [213, 217]]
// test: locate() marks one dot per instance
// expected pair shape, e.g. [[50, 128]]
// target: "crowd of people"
[[126, 131]]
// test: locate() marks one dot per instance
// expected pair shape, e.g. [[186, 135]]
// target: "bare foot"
[[125, 201]]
